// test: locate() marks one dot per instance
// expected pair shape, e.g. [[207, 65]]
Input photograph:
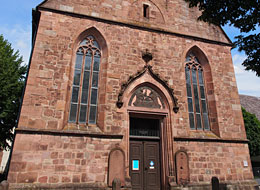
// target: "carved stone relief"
[[146, 97], [147, 69]]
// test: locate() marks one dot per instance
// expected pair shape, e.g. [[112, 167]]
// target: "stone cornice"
[[67, 133], [220, 140]]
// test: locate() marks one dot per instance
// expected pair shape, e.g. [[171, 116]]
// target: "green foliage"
[[252, 125], [12, 75], [244, 15]]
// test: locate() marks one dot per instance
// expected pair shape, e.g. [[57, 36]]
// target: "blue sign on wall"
[[135, 165], [151, 164]]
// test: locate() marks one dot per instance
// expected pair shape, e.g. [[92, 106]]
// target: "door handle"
[[145, 168]]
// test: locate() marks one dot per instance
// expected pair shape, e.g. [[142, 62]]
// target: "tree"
[[12, 75], [252, 125], [244, 15]]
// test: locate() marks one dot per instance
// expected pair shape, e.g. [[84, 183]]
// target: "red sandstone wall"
[[172, 15], [59, 159], [48, 89], [223, 160]]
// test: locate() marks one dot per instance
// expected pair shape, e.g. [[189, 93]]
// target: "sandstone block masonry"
[[50, 152], [60, 159]]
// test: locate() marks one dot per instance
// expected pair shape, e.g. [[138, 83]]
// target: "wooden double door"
[[145, 164]]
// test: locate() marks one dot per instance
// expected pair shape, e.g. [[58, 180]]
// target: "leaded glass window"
[[197, 104], [84, 98]]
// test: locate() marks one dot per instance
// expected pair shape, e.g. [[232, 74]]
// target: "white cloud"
[[20, 38], [248, 83], [237, 62], [238, 59], [238, 70], [21, 44]]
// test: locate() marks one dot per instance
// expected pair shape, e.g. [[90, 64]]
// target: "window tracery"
[[197, 104], [84, 98]]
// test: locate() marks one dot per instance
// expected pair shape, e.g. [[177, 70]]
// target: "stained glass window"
[[197, 104], [84, 98]]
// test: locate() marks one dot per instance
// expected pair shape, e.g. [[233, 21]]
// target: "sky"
[[15, 25]]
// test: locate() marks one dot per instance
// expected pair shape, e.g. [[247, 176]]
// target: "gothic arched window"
[[197, 104], [83, 107]]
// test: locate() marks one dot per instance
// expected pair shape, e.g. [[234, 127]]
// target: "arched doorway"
[[149, 104], [147, 111]]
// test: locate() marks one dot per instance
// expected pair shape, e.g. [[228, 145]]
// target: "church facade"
[[131, 91]]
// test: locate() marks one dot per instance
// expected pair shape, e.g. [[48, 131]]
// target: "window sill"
[[207, 136], [203, 134], [82, 127]]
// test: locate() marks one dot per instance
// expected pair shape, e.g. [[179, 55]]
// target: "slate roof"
[[251, 104]]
